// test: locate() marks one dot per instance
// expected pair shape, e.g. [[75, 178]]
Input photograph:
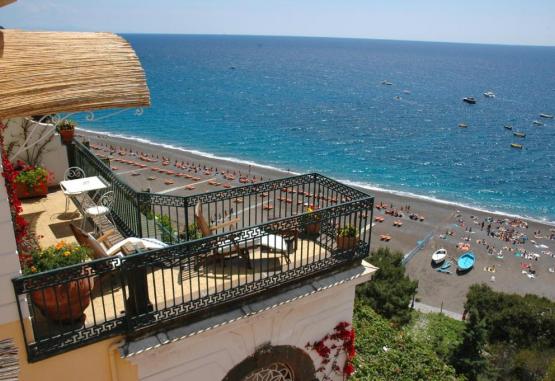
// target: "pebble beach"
[[512, 255]]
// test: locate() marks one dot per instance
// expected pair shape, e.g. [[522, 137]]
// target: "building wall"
[[100, 361], [9, 262], [212, 354], [54, 157]]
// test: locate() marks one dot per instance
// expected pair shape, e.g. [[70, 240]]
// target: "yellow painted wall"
[[89, 363]]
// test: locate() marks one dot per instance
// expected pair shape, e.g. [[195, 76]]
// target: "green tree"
[[468, 358], [390, 291]]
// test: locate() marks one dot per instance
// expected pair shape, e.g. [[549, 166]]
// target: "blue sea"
[[318, 104]]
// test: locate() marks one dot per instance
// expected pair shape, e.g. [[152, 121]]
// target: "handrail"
[[148, 290]]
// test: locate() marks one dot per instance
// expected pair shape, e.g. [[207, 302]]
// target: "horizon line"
[[305, 36], [341, 38]]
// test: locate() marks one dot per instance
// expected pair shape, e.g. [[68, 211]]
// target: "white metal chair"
[[72, 173], [102, 208]]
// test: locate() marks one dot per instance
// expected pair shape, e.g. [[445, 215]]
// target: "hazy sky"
[[485, 21]]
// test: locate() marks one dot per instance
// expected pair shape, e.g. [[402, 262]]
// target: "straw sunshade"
[[49, 72], [6, 2]]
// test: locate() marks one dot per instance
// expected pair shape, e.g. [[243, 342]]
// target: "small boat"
[[466, 261], [515, 145], [406, 91], [508, 127], [519, 134], [387, 83], [445, 268], [537, 123], [439, 256], [469, 100], [462, 125], [489, 94], [546, 116]]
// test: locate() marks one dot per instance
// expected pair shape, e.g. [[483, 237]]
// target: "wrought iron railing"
[[269, 241]]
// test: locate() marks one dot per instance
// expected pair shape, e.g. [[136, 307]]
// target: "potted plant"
[[66, 128], [313, 227], [67, 301], [347, 237], [31, 181]]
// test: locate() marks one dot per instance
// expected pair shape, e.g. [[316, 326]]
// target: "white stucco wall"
[[9, 262], [210, 355], [54, 157]]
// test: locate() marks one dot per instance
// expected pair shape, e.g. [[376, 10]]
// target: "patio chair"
[[72, 173], [101, 249], [102, 208], [242, 242]]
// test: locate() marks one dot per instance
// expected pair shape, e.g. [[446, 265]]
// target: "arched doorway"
[[274, 363]]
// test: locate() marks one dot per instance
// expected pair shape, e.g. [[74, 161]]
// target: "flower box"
[[346, 243], [24, 191], [66, 302]]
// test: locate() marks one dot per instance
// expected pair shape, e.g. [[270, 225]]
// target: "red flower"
[[348, 369], [19, 223]]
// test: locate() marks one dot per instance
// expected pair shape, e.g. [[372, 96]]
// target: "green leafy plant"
[[348, 231], [60, 255], [194, 232], [390, 291], [31, 176], [386, 353], [165, 224], [66, 125]]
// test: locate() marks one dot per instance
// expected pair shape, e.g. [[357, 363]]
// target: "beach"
[[516, 268]]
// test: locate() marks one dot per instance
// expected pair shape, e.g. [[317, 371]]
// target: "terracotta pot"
[[66, 302], [23, 191], [346, 243], [313, 228], [67, 136]]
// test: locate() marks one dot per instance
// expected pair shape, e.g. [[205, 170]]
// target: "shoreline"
[[232, 161], [444, 225]]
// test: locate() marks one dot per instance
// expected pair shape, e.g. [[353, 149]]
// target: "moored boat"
[[519, 134], [462, 125], [546, 116], [537, 123], [489, 94], [515, 145], [387, 83], [439, 256], [469, 100], [508, 127], [466, 261]]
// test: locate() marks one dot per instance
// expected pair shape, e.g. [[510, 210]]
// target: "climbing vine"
[[330, 348]]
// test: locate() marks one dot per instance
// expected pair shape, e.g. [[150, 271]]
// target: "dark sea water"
[[317, 104]]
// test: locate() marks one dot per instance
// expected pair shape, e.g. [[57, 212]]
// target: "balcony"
[[194, 276]]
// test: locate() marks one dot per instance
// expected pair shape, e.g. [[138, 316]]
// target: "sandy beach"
[[504, 265]]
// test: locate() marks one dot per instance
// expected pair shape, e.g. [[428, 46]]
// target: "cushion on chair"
[[148, 243], [87, 240], [98, 210]]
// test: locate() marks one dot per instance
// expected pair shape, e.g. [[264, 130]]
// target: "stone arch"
[[295, 359]]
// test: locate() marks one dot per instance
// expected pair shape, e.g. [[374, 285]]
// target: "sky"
[[528, 22]]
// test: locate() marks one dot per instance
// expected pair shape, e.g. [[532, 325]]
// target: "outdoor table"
[[78, 187], [86, 184]]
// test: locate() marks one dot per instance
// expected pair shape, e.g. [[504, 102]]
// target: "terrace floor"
[[47, 219], [167, 286]]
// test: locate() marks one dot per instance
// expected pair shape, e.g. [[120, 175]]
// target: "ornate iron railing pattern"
[[266, 248]]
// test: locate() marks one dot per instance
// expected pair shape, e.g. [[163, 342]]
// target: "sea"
[[321, 105]]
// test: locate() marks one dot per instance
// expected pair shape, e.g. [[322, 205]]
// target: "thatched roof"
[[6, 2], [49, 72]]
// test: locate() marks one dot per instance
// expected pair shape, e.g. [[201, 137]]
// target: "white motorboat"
[[439, 256], [489, 94]]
